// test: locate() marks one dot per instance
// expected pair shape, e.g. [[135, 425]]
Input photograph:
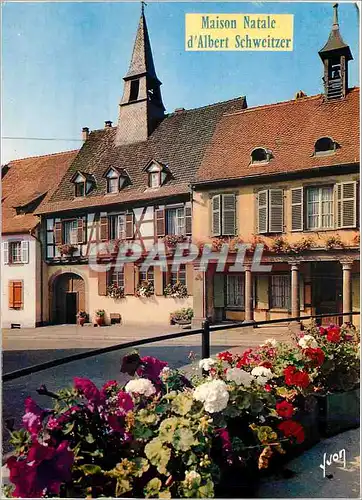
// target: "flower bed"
[[162, 435]]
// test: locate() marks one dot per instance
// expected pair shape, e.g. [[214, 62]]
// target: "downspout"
[[41, 275]]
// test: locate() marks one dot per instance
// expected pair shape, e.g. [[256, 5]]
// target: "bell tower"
[[141, 108], [335, 56]]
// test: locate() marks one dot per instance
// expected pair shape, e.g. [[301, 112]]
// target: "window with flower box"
[[146, 276], [178, 276], [116, 277]]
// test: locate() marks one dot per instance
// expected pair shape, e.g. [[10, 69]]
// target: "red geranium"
[[225, 356], [285, 409], [334, 334], [296, 377], [322, 331], [89, 390], [266, 364], [290, 428], [315, 354]]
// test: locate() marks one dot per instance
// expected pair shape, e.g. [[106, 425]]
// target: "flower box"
[[339, 411]]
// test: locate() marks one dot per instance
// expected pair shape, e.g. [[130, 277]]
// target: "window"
[[15, 295], [260, 155], [112, 185], [324, 145], [79, 188], [15, 252], [280, 292], [135, 86], [175, 221], [118, 227], [178, 276], [154, 179], [223, 208], [70, 232], [320, 207], [117, 278], [146, 276], [270, 211], [235, 291]]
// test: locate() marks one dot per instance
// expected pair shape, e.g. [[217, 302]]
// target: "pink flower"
[[125, 401], [42, 471], [114, 423], [151, 368], [32, 420], [57, 423], [89, 390]]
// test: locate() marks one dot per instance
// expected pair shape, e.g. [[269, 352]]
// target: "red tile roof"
[[26, 181], [289, 129]]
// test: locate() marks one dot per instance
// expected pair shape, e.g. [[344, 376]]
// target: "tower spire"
[[141, 106], [335, 56]]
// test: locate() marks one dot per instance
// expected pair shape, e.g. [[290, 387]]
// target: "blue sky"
[[63, 63]]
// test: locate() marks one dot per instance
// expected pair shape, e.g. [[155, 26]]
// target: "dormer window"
[[260, 155], [157, 174], [115, 179], [324, 145], [83, 183]]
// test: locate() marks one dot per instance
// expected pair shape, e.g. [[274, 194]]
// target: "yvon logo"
[[339, 458]]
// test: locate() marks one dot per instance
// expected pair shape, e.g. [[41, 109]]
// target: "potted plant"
[[82, 317], [337, 380], [145, 289], [182, 316], [115, 291], [100, 313]]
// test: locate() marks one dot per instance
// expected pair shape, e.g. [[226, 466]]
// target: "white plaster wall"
[[26, 317]]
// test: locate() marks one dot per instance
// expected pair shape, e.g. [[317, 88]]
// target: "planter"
[[82, 321], [339, 411], [100, 320]]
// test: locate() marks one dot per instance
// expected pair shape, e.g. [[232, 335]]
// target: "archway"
[[68, 298]]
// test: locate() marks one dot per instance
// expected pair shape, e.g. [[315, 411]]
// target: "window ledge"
[[235, 308], [279, 309]]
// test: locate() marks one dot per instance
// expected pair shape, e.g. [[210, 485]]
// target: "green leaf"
[[207, 490], [182, 403], [183, 439], [68, 427], [142, 432], [122, 486], [89, 438], [142, 466], [152, 488], [167, 429], [146, 417], [90, 469], [158, 454]]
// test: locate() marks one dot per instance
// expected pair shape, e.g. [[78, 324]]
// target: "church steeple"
[[335, 56], [141, 106]]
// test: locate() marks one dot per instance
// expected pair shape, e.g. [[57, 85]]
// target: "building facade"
[[290, 182], [25, 185]]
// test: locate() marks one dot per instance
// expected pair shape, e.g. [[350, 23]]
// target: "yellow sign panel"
[[239, 32]]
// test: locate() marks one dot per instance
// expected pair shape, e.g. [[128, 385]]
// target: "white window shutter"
[[346, 204], [276, 201], [262, 211], [24, 252], [228, 214], [297, 209], [6, 252], [216, 215]]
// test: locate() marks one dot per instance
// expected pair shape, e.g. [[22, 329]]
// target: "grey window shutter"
[[228, 214], [216, 215], [276, 210], [104, 227], [263, 211], [25, 252], [297, 209], [58, 233], [346, 204], [6, 252], [188, 219], [81, 230]]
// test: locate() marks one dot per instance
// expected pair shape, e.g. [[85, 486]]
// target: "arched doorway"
[[68, 298]]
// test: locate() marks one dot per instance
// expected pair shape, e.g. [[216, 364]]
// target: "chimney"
[[85, 133], [179, 110], [107, 124]]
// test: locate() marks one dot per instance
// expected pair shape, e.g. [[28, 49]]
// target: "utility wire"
[[40, 139]]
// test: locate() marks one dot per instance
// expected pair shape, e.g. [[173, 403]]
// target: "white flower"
[[140, 386], [262, 374], [239, 376], [192, 477], [271, 342], [206, 363], [213, 394], [308, 341], [165, 373]]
